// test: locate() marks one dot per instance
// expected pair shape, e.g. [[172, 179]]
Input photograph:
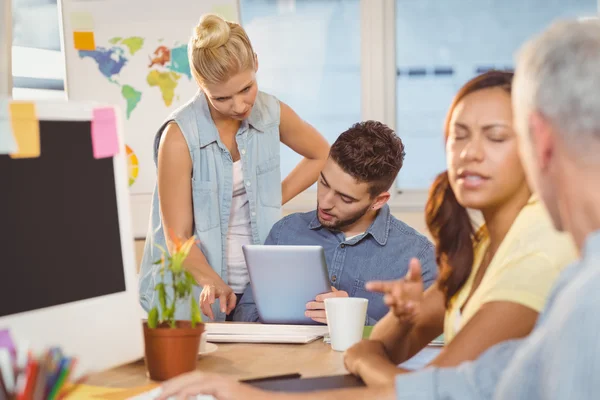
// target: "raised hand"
[[403, 296]]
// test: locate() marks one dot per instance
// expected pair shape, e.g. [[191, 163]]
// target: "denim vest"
[[212, 175]]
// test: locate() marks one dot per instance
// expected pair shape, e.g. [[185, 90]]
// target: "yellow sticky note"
[[82, 21], [26, 129], [227, 12], [84, 41]]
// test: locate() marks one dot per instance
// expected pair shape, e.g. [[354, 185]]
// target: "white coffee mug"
[[346, 318]]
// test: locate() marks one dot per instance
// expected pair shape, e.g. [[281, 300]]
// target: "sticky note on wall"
[[105, 142], [6, 341], [84, 41], [82, 21], [26, 129], [226, 11], [8, 143]]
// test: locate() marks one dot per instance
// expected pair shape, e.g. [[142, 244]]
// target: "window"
[[309, 57], [37, 62], [439, 46]]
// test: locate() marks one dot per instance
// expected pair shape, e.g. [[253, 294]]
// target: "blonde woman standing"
[[218, 169]]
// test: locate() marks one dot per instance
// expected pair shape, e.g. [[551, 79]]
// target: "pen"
[[72, 387], [28, 377], [63, 371], [40, 382], [272, 378], [56, 362]]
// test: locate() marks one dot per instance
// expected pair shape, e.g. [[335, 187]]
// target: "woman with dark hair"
[[493, 281]]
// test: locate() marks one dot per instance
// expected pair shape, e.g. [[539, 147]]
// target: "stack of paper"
[[153, 394], [263, 333]]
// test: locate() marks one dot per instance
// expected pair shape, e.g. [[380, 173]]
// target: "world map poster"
[[135, 58]]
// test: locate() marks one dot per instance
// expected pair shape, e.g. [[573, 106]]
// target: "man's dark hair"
[[370, 152]]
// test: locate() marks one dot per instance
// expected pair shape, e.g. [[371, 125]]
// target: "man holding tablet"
[[361, 239]]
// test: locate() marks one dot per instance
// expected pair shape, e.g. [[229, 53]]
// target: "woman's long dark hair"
[[448, 221]]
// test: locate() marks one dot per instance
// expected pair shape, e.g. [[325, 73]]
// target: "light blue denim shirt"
[[559, 360], [212, 183], [383, 252]]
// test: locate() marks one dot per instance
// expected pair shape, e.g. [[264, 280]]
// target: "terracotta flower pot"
[[171, 351]]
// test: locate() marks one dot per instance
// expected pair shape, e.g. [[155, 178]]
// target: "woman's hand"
[[403, 296], [368, 360], [365, 352], [213, 290]]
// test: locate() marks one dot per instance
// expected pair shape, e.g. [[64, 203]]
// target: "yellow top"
[[522, 271]]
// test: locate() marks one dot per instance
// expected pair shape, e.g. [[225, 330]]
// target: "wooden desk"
[[242, 361]]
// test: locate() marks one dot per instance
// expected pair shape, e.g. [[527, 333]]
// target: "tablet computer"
[[284, 279]]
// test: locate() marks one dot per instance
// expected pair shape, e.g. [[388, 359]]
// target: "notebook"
[[310, 384], [263, 333], [154, 393]]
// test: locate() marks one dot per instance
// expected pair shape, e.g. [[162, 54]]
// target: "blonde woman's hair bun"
[[218, 49], [211, 32]]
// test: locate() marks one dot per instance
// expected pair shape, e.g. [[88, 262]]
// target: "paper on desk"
[[88, 392], [154, 393], [263, 333]]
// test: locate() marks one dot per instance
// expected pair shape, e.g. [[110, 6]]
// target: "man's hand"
[[217, 290], [403, 296], [316, 309]]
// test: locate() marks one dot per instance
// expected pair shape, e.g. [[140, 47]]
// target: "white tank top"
[[239, 233]]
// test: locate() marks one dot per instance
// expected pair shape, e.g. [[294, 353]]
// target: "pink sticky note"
[[105, 142], [6, 341]]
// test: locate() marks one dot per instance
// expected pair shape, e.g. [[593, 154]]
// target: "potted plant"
[[171, 346]]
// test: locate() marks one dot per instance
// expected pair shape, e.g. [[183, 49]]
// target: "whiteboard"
[[140, 65]]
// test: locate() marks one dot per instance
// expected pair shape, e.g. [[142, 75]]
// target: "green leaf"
[[196, 316], [181, 289], [162, 295], [162, 249], [176, 264], [170, 312], [153, 318]]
